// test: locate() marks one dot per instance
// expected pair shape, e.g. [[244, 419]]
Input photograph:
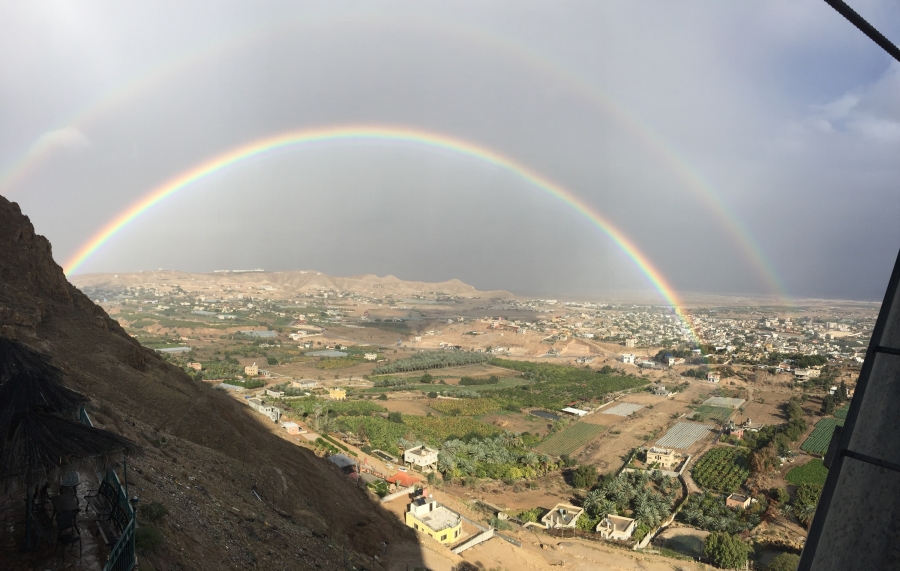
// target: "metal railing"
[[122, 555]]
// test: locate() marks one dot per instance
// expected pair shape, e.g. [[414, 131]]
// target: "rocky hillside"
[[292, 282], [237, 495]]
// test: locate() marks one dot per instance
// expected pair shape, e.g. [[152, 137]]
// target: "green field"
[[813, 472], [722, 469], [718, 414], [842, 412], [570, 439], [818, 441]]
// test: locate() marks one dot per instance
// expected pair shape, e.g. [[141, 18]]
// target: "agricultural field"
[[722, 469], [818, 441], [464, 407], [813, 472], [385, 434], [569, 439], [684, 435], [623, 409], [842, 412], [718, 414], [767, 412], [723, 401]]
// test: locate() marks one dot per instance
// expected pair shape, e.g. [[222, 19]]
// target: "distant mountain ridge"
[[296, 281]]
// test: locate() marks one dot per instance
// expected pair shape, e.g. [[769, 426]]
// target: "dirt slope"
[[206, 454]]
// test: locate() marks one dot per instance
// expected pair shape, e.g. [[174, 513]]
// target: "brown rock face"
[[312, 517]]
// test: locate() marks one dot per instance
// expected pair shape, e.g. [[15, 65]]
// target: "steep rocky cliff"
[[238, 496]]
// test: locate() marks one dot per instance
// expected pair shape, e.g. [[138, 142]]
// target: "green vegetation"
[[308, 405], [784, 562], [147, 539], [153, 511], [555, 386], [500, 458], [646, 496], [722, 469], [432, 360], [328, 363], [726, 551], [718, 414], [532, 515], [472, 381], [584, 476], [569, 439], [842, 414], [805, 501], [813, 472], [384, 434], [379, 487], [465, 407], [708, 511], [248, 384], [818, 441]]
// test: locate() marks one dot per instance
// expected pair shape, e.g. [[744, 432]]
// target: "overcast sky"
[[742, 147]]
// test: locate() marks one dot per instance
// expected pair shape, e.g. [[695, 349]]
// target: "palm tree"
[[805, 513]]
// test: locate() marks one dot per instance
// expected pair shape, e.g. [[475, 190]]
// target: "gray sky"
[[721, 138]]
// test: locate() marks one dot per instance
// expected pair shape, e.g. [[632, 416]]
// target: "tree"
[[828, 405], [382, 396], [395, 417], [584, 476], [784, 562], [727, 551]]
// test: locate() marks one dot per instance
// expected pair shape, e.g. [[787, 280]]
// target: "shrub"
[[584, 476], [147, 539], [382, 396], [395, 417], [153, 512], [784, 562], [727, 551]]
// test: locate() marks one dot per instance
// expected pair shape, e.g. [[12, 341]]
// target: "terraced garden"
[[722, 469], [818, 441], [570, 439]]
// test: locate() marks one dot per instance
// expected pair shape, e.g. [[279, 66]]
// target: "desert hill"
[[237, 495], [293, 281]]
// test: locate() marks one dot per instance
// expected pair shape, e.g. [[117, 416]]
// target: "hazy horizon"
[[743, 149]]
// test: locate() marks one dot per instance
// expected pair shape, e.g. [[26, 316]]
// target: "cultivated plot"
[[722, 401], [818, 441], [704, 413], [684, 434], [624, 409], [569, 440]]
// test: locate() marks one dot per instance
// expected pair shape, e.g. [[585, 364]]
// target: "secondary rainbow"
[[377, 133]]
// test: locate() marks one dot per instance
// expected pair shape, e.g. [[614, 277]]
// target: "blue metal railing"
[[121, 556]]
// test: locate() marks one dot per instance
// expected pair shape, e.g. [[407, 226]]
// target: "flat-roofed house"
[[261, 407], [616, 527], [251, 370], [665, 457], [737, 501], [422, 457], [442, 524], [562, 515], [337, 394], [628, 358]]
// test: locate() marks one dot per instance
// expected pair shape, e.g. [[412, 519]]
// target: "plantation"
[[555, 386], [813, 472], [569, 439], [342, 408], [384, 434], [338, 363], [499, 458], [718, 414], [842, 412], [722, 469], [432, 360], [818, 441], [646, 496], [465, 407], [708, 511]]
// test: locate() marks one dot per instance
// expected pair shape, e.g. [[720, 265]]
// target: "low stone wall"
[[397, 494]]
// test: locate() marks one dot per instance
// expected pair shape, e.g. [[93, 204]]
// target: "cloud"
[[68, 138]]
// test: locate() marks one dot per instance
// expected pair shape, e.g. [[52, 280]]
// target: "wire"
[[865, 27]]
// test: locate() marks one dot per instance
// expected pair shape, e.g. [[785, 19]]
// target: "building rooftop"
[[439, 518], [616, 523]]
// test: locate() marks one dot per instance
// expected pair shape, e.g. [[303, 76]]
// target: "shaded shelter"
[[17, 358]]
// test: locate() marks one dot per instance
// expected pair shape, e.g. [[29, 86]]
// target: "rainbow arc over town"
[[378, 134]]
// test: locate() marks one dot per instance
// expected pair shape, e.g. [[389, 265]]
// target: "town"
[[480, 418]]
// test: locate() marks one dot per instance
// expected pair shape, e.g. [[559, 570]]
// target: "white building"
[[261, 407], [370, 356], [628, 358], [616, 527], [562, 515], [422, 457]]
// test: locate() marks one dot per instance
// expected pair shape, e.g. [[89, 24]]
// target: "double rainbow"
[[377, 133]]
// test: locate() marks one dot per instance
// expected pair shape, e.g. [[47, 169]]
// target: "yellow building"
[[429, 517], [337, 394]]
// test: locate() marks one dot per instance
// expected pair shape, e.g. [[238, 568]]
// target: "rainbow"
[[652, 140], [377, 133]]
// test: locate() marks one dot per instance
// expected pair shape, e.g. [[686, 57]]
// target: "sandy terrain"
[[419, 407]]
